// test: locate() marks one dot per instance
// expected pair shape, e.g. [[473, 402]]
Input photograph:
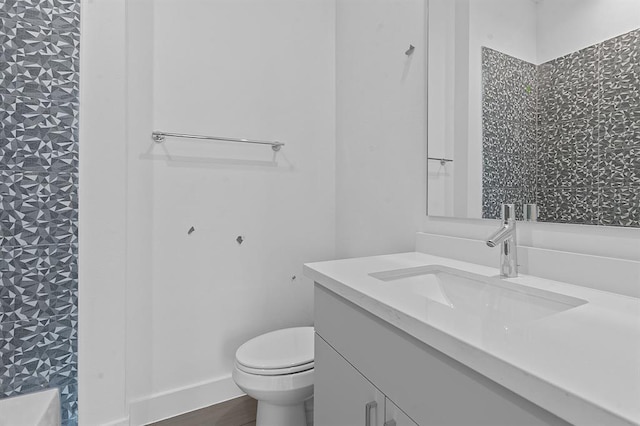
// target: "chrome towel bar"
[[442, 161], [160, 137]]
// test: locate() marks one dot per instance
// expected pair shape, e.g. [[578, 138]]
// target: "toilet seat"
[[275, 371], [279, 352]]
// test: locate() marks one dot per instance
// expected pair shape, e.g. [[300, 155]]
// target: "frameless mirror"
[[535, 102]]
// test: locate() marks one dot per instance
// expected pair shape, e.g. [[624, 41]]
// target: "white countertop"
[[582, 364]]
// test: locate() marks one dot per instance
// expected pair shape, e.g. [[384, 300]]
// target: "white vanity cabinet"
[[362, 359], [347, 397], [394, 416]]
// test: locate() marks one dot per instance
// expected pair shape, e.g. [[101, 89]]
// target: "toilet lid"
[[277, 350]]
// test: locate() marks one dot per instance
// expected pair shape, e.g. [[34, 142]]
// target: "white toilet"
[[276, 368]]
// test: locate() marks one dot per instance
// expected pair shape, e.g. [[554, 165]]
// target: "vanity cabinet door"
[[342, 396], [393, 416]]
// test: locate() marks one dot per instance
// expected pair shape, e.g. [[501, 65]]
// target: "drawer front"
[[343, 396]]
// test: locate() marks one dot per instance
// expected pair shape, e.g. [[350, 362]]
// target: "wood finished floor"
[[236, 412]]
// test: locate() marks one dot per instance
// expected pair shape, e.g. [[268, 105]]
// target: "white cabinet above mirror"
[[536, 102]]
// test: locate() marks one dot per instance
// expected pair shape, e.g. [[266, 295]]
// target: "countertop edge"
[[550, 397]]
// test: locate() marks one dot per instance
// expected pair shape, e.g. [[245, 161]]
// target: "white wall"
[[140, 297], [505, 25], [380, 139], [565, 26], [162, 341], [246, 69], [102, 214], [443, 37]]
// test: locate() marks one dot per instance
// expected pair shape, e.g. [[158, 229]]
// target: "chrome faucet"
[[506, 237]]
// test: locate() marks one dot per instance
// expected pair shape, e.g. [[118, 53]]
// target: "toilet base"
[[281, 415]]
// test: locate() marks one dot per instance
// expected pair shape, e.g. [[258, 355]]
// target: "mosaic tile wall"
[[587, 133], [509, 131], [39, 61]]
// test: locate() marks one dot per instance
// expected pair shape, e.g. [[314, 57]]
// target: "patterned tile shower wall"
[[38, 192], [509, 131], [587, 134]]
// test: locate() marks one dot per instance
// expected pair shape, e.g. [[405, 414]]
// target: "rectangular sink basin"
[[489, 298]]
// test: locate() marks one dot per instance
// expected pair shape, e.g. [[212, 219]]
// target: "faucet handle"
[[508, 212]]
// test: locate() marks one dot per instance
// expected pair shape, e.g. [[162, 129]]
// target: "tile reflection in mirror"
[[535, 102], [565, 134]]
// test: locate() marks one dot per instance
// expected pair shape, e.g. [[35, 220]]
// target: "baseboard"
[[603, 273], [183, 400]]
